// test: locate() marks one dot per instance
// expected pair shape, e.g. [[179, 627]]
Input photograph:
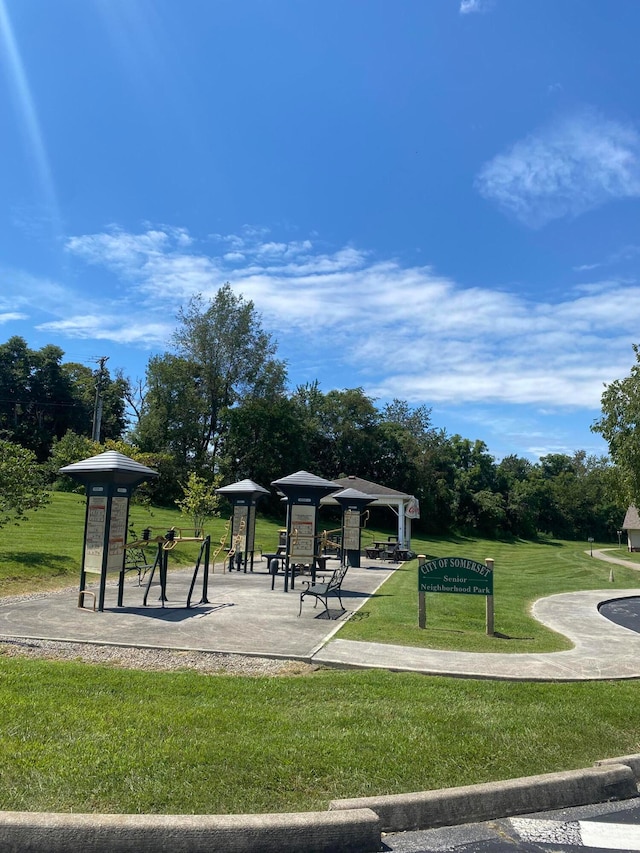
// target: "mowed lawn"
[[87, 738], [523, 572]]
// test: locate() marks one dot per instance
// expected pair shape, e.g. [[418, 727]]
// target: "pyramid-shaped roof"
[[242, 487], [111, 467]]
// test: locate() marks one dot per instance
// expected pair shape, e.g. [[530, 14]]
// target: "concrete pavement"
[[602, 649], [244, 615]]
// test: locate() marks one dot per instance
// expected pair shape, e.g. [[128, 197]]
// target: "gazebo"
[[405, 506]]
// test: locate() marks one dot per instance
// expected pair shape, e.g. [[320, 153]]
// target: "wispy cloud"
[[566, 169], [10, 316], [397, 330], [468, 7]]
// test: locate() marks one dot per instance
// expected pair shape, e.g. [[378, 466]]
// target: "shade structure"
[[243, 488], [109, 467], [398, 502], [302, 482]]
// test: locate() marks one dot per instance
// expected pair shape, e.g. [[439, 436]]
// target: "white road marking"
[[611, 836], [579, 833]]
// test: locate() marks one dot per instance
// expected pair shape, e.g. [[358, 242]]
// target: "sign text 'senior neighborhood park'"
[[455, 574]]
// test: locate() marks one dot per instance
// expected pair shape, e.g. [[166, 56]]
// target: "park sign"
[[455, 574]]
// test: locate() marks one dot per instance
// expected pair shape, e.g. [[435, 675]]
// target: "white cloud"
[[110, 328], [573, 166], [402, 331], [10, 316], [467, 7]]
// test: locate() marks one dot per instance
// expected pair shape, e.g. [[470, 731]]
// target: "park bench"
[[321, 591], [135, 559]]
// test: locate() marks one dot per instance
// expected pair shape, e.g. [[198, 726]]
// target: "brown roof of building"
[[631, 519], [369, 488]]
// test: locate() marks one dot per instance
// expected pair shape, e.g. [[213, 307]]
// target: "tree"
[[21, 483], [199, 501], [620, 427], [41, 398], [265, 439], [222, 354], [37, 401], [173, 411]]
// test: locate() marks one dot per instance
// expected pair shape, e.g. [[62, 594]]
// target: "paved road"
[[603, 827], [623, 611]]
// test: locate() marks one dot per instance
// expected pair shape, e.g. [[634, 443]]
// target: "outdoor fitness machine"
[[352, 502], [109, 480], [303, 492], [165, 543], [244, 495]]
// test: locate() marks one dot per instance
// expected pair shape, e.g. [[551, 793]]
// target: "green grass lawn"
[[79, 737], [523, 572], [75, 737]]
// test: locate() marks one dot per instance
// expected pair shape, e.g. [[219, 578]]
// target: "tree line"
[[217, 404]]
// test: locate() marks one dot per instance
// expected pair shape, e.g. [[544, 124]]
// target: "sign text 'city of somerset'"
[[455, 574]]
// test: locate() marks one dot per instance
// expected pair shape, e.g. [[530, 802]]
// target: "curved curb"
[[350, 831], [610, 780]]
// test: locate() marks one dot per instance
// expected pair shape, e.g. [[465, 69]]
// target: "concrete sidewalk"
[[602, 649], [244, 615]]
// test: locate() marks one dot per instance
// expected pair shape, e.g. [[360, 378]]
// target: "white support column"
[[401, 522]]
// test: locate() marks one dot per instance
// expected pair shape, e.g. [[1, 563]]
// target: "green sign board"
[[455, 574]]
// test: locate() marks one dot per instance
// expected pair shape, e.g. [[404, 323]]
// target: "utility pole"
[[97, 408]]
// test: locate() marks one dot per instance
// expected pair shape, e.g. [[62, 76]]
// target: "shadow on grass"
[[359, 615], [36, 558], [500, 636]]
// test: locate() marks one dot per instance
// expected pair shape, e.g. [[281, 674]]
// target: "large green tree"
[[619, 425], [38, 402], [41, 397], [221, 356]]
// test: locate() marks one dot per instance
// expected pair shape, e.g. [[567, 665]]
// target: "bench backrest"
[[133, 556], [337, 577]]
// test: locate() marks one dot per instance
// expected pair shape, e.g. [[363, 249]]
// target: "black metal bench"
[[322, 591], [135, 559]]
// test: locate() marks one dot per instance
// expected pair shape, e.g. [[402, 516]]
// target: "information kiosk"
[[352, 502], [109, 480], [303, 492], [244, 495]]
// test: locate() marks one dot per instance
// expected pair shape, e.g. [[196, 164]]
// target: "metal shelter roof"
[[109, 467], [346, 495], [305, 480], [242, 487]]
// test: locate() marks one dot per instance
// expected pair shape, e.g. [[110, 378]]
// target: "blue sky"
[[437, 201]]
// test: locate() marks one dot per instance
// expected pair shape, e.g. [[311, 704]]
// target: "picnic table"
[[279, 560], [388, 549]]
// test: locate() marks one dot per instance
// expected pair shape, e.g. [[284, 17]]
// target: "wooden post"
[[490, 632], [422, 604]]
